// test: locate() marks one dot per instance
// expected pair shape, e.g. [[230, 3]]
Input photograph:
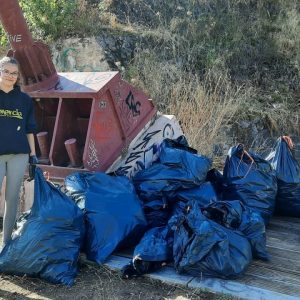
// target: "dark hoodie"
[[16, 120]]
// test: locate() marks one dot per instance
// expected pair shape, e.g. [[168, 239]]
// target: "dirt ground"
[[98, 282]]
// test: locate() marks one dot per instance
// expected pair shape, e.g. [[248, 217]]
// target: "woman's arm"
[[30, 139]]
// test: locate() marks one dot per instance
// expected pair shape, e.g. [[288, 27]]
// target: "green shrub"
[[50, 18]]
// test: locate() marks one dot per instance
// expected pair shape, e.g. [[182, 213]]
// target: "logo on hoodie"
[[11, 113]]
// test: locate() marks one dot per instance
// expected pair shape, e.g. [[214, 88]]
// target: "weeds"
[[211, 63], [202, 105]]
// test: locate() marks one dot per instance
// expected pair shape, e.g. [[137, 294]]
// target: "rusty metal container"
[[99, 110]]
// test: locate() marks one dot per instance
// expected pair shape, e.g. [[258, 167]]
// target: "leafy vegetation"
[[242, 50], [51, 19]]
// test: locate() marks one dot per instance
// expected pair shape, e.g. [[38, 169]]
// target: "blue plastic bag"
[[155, 245], [114, 214], [152, 252], [47, 244], [204, 247], [234, 215], [204, 194], [216, 178], [178, 168], [288, 178], [250, 179]]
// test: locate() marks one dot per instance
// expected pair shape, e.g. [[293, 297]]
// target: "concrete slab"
[[238, 289], [168, 275]]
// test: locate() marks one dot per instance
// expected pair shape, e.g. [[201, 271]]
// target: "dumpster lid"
[[78, 82]]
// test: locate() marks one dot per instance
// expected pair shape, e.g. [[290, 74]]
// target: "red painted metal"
[[98, 109], [37, 69], [73, 153], [43, 142]]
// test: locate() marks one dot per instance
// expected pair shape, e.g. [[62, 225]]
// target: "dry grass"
[[203, 110], [186, 69], [203, 106]]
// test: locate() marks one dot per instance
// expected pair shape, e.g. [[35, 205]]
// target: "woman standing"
[[17, 125]]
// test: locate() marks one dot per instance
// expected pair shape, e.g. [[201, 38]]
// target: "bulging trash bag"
[[288, 178], [234, 215], [178, 168], [47, 242], [114, 214], [155, 245], [250, 179], [253, 227], [152, 252], [204, 194], [204, 247]]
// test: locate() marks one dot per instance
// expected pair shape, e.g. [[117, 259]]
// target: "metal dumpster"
[[85, 120]]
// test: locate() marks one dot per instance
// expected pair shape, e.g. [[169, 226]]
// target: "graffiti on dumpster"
[[146, 151], [128, 110], [146, 139], [93, 160], [138, 160], [168, 132], [16, 38], [134, 106]]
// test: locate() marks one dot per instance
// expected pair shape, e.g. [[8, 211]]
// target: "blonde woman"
[[17, 125]]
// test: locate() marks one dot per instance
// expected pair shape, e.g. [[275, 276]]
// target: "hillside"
[[229, 70]]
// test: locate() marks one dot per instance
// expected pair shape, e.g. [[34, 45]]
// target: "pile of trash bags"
[[179, 210]]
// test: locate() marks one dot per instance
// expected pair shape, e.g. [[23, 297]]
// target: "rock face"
[[83, 55], [102, 53]]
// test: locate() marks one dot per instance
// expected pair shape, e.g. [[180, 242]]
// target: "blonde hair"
[[10, 60]]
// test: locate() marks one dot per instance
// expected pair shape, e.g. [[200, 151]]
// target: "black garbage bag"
[[250, 179], [140, 268], [234, 215], [204, 247], [152, 252], [288, 178], [114, 214], [47, 242]]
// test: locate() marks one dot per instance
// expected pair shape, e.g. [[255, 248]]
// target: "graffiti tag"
[[16, 38], [134, 106], [93, 161], [146, 139], [168, 131]]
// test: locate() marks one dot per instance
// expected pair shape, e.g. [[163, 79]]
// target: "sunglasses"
[[7, 73]]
